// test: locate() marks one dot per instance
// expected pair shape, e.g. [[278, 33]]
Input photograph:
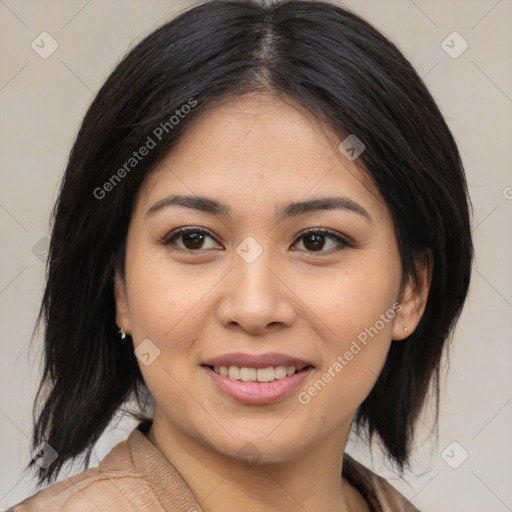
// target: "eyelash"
[[343, 242]]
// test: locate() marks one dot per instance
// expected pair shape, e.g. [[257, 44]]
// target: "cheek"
[[353, 299], [353, 360], [165, 297], [359, 308], [165, 308]]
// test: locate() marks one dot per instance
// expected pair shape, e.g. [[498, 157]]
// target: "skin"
[[255, 154]]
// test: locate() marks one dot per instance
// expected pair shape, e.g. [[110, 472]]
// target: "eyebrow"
[[291, 209]]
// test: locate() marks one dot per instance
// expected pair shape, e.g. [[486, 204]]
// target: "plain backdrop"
[[467, 465]]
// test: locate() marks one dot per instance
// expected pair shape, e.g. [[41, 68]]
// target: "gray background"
[[43, 101]]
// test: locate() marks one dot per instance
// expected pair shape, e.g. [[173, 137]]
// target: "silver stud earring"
[[405, 329]]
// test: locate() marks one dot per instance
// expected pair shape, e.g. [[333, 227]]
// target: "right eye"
[[192, 239]]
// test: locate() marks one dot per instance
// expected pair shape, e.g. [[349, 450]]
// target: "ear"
[[122, 310], [413, 296]]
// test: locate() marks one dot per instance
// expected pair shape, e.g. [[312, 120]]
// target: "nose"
[[256, 297]]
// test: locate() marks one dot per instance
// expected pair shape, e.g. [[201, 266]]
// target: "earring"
[[405, 329], [122, 333]]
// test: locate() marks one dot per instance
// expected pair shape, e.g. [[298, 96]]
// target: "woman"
[[263, 237]]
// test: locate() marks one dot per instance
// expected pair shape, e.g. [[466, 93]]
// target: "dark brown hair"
[[338, 67]]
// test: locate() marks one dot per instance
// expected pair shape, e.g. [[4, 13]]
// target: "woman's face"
[[257, 290]]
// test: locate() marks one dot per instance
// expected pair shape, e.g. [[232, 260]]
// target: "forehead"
[[256, 149]]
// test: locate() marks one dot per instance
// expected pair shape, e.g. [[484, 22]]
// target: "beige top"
[[136, 477]]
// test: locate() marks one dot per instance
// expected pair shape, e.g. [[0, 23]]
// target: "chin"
[[252, 450]]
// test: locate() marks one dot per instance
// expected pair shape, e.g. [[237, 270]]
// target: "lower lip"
[[258, 392]]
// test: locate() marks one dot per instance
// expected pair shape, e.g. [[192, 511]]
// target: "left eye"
[[314, 240], [193, 239]]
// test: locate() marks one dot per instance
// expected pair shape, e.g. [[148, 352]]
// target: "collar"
[[175, 494]]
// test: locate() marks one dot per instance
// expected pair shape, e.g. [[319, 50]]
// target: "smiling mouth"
[[267, 374]]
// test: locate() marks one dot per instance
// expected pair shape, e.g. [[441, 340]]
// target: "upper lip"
[[256, 360]]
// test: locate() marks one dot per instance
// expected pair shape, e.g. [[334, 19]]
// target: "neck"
[[311, 481]]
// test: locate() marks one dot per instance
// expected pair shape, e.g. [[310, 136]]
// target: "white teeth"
[[268, 374], [280, 372], [233, 372], [290, 370], [247, 374]]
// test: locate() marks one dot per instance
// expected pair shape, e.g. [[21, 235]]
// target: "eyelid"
[[166, 240], [331, 234]]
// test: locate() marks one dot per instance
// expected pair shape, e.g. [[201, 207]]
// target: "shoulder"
[[115, 484], [381, 495]]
